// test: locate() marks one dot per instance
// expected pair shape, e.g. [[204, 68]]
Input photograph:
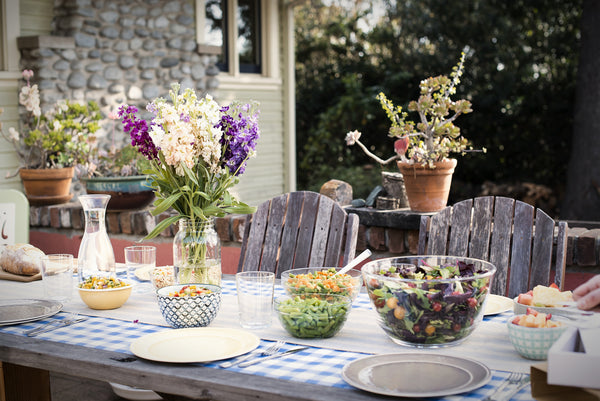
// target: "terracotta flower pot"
[[47, 186], [427, 189]]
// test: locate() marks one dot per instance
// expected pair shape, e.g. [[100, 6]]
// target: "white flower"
[[13, 134], [352, 137], [56, 125]]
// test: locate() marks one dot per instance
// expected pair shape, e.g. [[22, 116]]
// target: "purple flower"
[[138, 132], [240, 134]]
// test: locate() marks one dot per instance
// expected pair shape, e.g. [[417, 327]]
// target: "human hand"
[[587, 294]]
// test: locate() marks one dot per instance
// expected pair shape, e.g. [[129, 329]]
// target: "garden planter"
[[130, 192], [427, 188], [47, 186]]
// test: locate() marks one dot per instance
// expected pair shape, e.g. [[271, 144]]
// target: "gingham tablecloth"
[[320, 364]]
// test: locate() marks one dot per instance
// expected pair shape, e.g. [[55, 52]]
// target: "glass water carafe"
[[96, 257]]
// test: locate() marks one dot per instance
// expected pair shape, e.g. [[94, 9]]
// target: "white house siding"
[[36, 16], [8, 101]]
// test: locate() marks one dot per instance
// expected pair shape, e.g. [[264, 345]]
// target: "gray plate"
[[17, 311], [416, 374]]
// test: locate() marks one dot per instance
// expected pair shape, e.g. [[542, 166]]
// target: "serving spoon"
[[354, 262]]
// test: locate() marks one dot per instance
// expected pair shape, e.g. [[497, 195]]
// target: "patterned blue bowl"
[[533, 342], [188, 311]]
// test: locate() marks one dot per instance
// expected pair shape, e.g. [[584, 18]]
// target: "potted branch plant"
[[50, 144], [423, 148]]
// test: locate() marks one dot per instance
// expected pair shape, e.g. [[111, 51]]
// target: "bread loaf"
[[23, 259]]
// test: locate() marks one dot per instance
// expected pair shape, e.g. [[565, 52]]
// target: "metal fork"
[[522, 384], [512, 379], [269, 351], [55, 324]]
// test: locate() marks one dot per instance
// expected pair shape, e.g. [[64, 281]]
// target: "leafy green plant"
[[57, 138]]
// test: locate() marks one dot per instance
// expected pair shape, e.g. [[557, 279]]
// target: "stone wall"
[[116, 52]]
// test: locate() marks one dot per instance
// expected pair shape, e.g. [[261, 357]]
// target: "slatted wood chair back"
[[298, 229], [508, 233]]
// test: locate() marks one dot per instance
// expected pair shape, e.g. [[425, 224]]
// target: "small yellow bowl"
[[109, 298]]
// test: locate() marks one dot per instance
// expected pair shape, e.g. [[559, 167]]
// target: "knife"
[[288, 352]]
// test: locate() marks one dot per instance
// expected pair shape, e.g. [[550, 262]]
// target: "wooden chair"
[[298, 229], [508, 233]]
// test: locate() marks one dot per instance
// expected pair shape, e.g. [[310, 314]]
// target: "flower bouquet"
[[197, 150]]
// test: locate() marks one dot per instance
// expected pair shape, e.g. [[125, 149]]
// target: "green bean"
[[313, 317]]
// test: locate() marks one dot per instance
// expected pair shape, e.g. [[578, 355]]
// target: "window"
[[225, 22]]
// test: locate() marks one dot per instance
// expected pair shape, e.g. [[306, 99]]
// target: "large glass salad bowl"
[[428, 301]]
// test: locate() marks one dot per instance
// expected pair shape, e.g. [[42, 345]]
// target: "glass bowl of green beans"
[[313, 315]]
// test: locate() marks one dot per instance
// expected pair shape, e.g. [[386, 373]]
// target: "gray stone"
[[135, 44], [84, 40], [62, 87], [142, 32], [116, 88], [169, 62], [126, 22], [113, 73], [124, 8], [185, 68], [148, 62], [93, 22], [149, 44], [126, 62], [47, 73], [187, 83], [127, 34], [198, 71], [139, 11], [85, 11], [131, 75], [46, 85], [76, 80], [157, 35], [121, 46], [188, 45], [110, 32], [134, 93], [141, 22], [212, 70], [109, 57], [97, 81], [174, 43], [178, 29], [68, 54], [155, 12], [188, 8], [90, 30], [46, 53], [339, 191], [150, 91], [176, 74], [61, 65], [109, 16], [201, 85], [161, 22], [76, 65], [172, 7], [94, 53], [94, 67], [212, 83], [148, 74], [185, 19]]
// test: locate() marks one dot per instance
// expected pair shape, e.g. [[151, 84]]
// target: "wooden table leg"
[[21, 383]]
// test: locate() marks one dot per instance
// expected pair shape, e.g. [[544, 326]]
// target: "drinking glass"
[[57, 277], [140, 261], [255, 298]]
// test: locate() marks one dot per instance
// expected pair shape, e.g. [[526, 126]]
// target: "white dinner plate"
[[416, 374], [17, 311], [134, 393], [198, 344], [497, 304]]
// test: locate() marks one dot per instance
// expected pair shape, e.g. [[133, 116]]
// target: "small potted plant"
[[50, 144], [423, 148], [119, 172]]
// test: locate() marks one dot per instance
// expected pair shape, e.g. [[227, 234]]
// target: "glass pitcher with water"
[[96, 257]]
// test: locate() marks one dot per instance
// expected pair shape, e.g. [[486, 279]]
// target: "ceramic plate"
[[497, 304], [521, 309], [198, 344], [416, 375], [134, 393], [143, 273], [17, 311]]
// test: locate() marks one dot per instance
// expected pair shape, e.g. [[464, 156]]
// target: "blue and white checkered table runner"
[[315, 365]]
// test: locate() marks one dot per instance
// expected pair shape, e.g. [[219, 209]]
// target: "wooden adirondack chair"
[[509, 233], [298, 229]]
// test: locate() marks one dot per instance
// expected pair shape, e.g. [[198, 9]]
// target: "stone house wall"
[[116, 52]]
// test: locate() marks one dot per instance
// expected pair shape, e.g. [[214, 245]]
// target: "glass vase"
[[96, 257], [197, 253]]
